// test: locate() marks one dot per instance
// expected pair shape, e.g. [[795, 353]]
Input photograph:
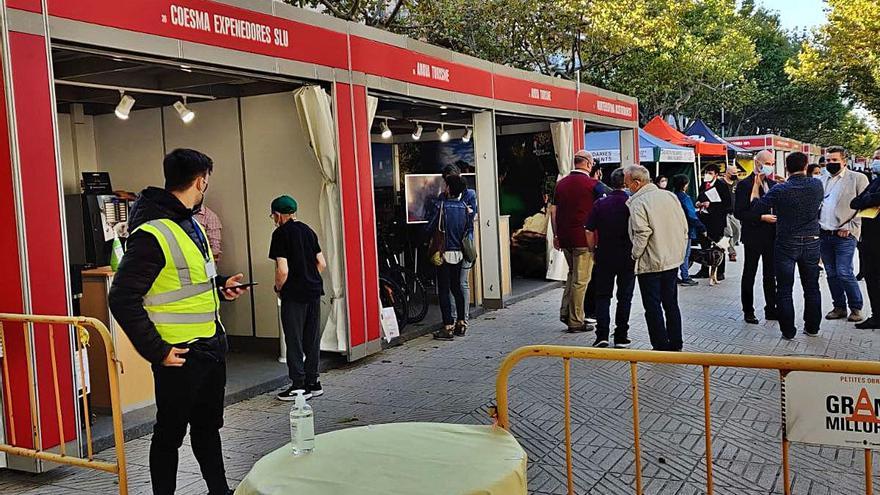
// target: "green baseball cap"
[[284, 204]]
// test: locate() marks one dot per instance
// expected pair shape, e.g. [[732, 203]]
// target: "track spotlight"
[[443, 134], [125, 105], [417, 132], [467, 135], [386, 132], [186, 115]]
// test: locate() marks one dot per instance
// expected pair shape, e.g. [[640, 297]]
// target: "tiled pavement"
[[454, 382]]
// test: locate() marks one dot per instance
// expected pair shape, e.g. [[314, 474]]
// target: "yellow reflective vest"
[[183, 301]]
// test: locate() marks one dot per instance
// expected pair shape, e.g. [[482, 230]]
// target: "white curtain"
[[563, 139], [316, 116]]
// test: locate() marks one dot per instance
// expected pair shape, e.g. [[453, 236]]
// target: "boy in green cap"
[[298, 266]]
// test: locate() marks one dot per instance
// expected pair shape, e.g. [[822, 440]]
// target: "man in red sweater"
[[572, 203]]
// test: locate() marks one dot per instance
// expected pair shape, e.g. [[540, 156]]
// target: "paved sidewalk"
[[426, 380]]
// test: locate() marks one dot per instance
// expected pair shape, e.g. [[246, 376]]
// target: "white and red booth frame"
[[263, 36]]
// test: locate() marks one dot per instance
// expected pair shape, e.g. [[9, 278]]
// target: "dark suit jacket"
[[754, 232], [716, 218]]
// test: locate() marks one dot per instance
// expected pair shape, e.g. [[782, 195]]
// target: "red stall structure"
[[780, 146], [286, 101]]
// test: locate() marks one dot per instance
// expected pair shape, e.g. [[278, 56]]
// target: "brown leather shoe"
[[836, 314], [856, 316], [460, 329]]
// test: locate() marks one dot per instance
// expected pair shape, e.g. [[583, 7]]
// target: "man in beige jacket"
[[659, 231]]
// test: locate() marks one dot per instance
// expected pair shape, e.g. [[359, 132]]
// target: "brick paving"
[[425, 380]]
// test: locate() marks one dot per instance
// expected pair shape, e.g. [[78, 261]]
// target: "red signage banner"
[[381, 59], [215, 24], [750, 142], [531, 93], [608, 107], [786, 144]]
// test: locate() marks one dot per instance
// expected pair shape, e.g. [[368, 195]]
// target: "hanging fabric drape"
[[316, 115], [563, 139]]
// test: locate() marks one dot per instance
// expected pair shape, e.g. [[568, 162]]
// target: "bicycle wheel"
[[416, 296], [391, 295]]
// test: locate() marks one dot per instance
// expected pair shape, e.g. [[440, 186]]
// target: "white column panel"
[[628, 147], [487, 190]]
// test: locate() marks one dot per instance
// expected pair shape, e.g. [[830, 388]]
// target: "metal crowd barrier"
[[28, 323], [784, 364]]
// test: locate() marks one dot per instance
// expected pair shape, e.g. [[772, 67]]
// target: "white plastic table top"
[[396, 459]]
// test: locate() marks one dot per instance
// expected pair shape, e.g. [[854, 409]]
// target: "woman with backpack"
[[451, 227]]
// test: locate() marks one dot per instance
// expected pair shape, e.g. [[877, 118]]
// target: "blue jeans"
[[659, 296], [686, 265], [837, 254], [802, 252]]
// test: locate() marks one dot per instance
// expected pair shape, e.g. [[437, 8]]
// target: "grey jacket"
[[658, 229], [850, 185]]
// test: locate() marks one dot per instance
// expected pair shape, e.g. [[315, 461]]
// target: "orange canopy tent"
[[658, 127]]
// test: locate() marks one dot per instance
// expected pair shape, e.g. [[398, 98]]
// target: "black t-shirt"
[[297, 243]]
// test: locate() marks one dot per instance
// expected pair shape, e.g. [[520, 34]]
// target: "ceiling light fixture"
[[442, 134], [443, 107], [186, 115], [125, 105], [386, 131], [417, 132], [467, 135]]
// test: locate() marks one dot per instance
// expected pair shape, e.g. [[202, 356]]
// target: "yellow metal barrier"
[[783, 364], [80, 325]]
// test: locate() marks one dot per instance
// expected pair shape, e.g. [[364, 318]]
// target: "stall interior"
[[118, 115], [412, 142]]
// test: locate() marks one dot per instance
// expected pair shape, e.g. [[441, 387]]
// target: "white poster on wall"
[[832, 409]]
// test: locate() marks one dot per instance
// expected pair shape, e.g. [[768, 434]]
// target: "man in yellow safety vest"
[[166, 297]]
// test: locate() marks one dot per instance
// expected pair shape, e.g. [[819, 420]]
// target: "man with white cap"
[[572, 203]]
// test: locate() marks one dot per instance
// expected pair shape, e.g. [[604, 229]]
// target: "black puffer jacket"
[[141, 265]]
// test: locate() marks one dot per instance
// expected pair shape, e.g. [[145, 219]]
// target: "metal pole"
[[786, 482], [869, 472], [634, 384], [708, 420], [568, 455]]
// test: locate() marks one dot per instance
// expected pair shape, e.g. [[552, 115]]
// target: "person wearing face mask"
[[796, 204], [870, 198], [658, 231], [841, 229], [715, 203], [758, 236], [298, 266], [166, 296]]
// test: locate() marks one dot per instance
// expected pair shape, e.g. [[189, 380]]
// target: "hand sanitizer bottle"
[[302, 426]]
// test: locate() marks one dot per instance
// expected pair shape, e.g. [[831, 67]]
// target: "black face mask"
[[833, 168]]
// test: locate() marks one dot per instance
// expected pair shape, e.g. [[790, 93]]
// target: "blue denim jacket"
[[690, 213], [457, 221]]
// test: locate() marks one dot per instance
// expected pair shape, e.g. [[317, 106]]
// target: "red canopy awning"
[[658, 127]]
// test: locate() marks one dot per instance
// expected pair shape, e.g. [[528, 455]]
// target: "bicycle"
[[408, 280]]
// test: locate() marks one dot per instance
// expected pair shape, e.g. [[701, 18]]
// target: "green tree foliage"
[[686, 58], [845, 53]]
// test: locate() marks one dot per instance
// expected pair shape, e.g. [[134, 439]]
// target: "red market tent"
[[658, 127]]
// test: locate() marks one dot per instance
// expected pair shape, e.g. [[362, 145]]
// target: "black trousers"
[[590, 296], [660, 299], [758, 252], [604, 275], [301, 322], [870, 268], [191, 395]]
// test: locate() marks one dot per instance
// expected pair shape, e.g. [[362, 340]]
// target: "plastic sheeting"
[[563, 137], [316, 115]]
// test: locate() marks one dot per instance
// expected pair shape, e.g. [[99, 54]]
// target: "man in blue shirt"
[[607, 226], [796, 204]]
